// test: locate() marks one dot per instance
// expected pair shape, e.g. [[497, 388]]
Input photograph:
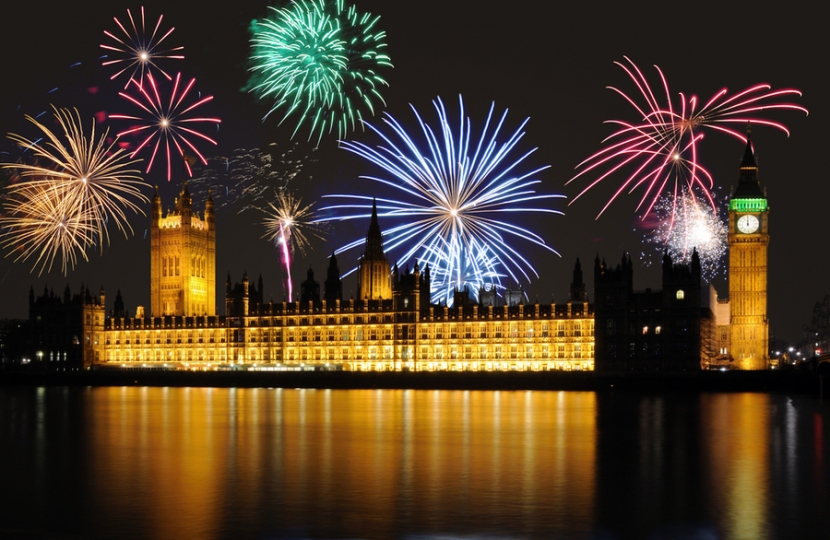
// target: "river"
[[202, 463]]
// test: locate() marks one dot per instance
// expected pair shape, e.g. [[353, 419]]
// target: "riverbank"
[[731, 381]]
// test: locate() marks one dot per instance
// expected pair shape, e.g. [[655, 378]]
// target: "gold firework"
[[287, 219], [63, 207]]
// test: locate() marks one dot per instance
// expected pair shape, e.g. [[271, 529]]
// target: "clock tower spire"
[[748, 243]]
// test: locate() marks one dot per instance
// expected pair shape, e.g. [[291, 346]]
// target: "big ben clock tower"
[[748, 243]]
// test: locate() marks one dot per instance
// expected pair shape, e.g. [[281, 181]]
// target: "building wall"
[[749, 333], [651, 331], [370, 336]]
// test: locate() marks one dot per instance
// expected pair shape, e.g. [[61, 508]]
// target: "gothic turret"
[[577, 293], [748, 185], [333, 285], [310, 288], [373, 276]]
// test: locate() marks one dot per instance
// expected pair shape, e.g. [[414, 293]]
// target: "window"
[[680, 294], [645, 330], [611, 327], [657, 330]]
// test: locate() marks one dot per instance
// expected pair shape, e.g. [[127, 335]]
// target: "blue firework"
[[457, 195]]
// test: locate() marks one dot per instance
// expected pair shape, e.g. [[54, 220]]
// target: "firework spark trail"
[[41, 221], [246, 178], [687, 223], [317, 60], [457, 195], [166, 122], [662, 145], [138, 49], [286, 222], [64, 207]]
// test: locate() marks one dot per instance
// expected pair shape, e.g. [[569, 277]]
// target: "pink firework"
[[166, 123], [662, 145], [138, 49]]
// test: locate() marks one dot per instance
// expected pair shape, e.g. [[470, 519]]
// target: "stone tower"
[[373, 272], [748, 242], [182, 259]]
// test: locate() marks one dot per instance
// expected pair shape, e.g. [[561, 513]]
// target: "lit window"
[[680, 294], [645, 330], [657, 330]]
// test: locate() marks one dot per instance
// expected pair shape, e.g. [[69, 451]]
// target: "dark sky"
[[549, 61]]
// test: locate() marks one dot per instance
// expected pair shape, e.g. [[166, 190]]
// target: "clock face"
[[748, 224]]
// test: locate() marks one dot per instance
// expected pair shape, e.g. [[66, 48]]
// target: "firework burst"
[[317, 60], [63, 207], [661, 146], [137, 49], [286, 222], [165, 124], [458, 194], [687, 223]]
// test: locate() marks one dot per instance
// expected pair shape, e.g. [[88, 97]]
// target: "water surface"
[[206, 463]]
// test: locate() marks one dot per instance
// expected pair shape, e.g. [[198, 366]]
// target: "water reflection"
[[274, 463], [174, 463]]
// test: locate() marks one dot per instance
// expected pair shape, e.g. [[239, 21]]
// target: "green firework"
[[317, 61]]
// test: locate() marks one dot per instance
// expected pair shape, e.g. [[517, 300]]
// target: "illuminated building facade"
[[373, 277], [748, 243], [390, 327], [182, 259]]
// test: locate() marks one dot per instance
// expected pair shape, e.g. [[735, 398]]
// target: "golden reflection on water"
[[736, 435], [176, 463], [267, 463]]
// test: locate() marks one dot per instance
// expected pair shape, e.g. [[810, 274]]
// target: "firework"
[[39, 221], [166, 122], [688, 223], [661, 145], [457, 196], [246, 178], [285, 224], [138, 49], [63, 207], [317, 60]]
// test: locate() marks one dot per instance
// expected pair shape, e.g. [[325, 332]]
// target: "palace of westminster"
[[393, 326]]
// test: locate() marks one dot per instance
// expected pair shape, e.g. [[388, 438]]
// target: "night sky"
[[550, 61]]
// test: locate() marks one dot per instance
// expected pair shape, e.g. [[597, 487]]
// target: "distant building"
[[650, 331], [817, 334], [61, 331], [14, 347]]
